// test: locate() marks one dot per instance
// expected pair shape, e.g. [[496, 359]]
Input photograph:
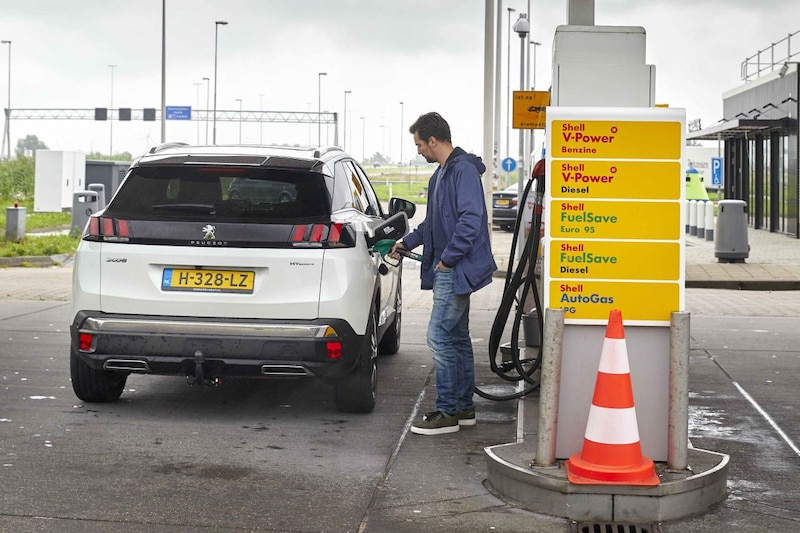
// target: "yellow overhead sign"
[[529, 109]]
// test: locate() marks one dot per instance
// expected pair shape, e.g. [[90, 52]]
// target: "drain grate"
[[613, 527]]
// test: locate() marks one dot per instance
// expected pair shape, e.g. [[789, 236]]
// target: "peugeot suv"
[[177, 276]]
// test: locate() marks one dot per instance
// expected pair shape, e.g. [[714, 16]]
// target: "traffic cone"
[[611, 452]]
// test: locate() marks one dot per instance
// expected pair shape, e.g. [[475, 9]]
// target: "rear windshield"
[[223, 194]]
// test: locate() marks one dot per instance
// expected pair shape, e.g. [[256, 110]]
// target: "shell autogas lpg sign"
[[614, 197]]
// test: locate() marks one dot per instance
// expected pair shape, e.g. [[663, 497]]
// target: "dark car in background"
[[504, 208]]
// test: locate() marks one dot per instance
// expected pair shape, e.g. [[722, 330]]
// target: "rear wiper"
[[187, 208]]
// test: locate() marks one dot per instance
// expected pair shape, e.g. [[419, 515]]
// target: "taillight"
[[334, 349], [107, 229], [85, 342], [317, 235]]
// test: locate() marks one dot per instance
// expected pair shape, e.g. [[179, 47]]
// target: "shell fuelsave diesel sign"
[[613, 231]]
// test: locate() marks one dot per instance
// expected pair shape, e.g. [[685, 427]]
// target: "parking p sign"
[[716, 171]]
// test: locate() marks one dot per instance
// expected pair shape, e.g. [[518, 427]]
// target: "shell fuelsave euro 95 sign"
[[614, 196]]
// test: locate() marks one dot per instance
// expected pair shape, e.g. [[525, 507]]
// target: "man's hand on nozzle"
[[397, 246]]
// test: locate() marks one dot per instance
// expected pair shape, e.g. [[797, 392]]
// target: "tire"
[[390, 342], [356, 392], [92, 385]]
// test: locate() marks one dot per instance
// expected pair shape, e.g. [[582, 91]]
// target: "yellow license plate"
[[202, 280], [503, 202]]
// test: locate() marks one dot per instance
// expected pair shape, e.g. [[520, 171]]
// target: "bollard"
[[550, 387], [678, 415], [701, 218], [15, 223], [710, 221], [692, 217], [685, 216]]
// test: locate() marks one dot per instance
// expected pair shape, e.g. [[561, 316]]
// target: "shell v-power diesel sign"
[[613, 234]]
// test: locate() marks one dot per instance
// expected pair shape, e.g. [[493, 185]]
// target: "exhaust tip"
[[127, 365], [285, 370]]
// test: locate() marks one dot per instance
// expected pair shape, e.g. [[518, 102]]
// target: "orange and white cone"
[[612, 454]]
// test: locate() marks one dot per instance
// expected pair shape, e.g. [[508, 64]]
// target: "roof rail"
[[164, 146], [319, 152]]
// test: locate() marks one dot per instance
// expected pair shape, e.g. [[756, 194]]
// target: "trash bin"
[[530, 328], [84, 203], [100, 189], [730, 239], [15, 223]]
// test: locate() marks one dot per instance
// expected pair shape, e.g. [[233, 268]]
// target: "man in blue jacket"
[[456, 261]]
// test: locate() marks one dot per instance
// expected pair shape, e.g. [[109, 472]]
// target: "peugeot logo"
[[209, 232]]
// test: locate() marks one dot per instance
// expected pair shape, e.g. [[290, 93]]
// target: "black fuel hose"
[[519, 275]]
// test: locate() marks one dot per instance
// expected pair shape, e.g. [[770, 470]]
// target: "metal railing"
[[765, 61]]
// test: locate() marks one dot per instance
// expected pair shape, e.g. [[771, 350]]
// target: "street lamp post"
[[319, 107], [535, 45], [163, 71], [240, 119], [7, 128], [217, 24], [401, 135], [363, 139], [261, 116], [508, 93], [110, 118], [197, 93], [208, 91], [344, 122], [522, 27]]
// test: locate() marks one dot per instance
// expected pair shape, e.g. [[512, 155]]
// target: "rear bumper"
[[225, 347]]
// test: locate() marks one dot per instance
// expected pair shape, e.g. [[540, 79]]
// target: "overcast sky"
[[426, 53]]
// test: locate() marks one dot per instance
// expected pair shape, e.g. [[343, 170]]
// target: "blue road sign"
[[509, 165], [179, 112], [716, 171]]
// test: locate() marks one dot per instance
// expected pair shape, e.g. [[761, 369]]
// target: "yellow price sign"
[[614, 220], [593, 300], [631, 260], [615, 139], [648, 180]]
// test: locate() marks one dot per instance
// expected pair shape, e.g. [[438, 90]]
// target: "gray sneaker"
[[435, 423], [466, 417]]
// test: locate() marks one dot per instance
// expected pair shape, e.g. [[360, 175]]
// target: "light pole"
[[240, 119], [110, 118], [319, 107], [383, 144], [401, 135], [208, 99], [261, 124], [197, 92], [508, 93], [217, 24], [363, 138], [7, 129], [163, 71], [535, 45], [344, 122], [522, 27]]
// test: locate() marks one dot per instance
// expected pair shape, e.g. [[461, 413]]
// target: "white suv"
[[178, 276]]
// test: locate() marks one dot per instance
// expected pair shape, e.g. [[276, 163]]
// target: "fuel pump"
[[519, 281]]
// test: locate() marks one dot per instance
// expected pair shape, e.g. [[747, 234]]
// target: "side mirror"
[[399, 205], [395, 228]]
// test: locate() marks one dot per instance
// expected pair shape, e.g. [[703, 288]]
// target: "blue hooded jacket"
[[456, 228]]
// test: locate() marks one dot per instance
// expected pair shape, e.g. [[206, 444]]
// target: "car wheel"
[[284, 197], [234, 195], [390, 343], [92, 385], [356, 392]]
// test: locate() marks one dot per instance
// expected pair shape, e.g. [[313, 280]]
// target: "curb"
[[35, 261]]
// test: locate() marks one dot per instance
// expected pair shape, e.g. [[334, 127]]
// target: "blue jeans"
[[449, 340]]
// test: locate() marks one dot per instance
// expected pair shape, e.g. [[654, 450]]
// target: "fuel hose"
[[519, 280]]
